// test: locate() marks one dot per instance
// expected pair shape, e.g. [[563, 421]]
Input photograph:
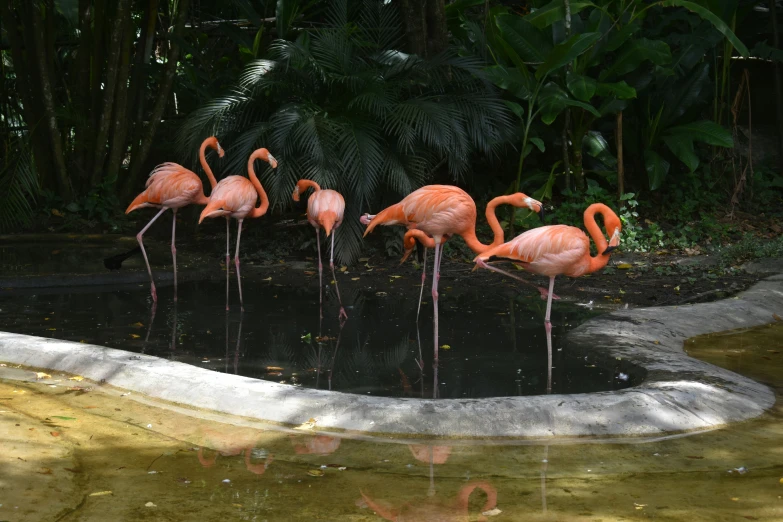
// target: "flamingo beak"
[[220, 150], [272, 161], [614, 242]]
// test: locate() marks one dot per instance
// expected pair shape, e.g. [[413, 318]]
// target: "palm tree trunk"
[[81, 88], [120, 131], [137, 95], [618, 135], [437, 32], [112, 80], [47, 94], [414, 23], [163, 93], [778, 87]]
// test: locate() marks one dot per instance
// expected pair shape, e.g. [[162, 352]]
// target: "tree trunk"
[[578, 170], [437, 31], [119, 133], [566, 158], [618, 134], [81, 88], [30, 110], [138, 95], [112, 79], [140, 157], [96, 79], [778, 86], [414, 24], [63, 182]]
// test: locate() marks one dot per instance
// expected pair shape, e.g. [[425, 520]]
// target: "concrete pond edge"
[[678, 394]]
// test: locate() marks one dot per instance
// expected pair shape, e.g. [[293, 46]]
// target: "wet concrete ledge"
[[679, 393]]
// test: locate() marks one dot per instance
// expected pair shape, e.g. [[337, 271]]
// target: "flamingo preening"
[[235, 197], [434, 213], [559, 249], [325, 209], [172, 186]]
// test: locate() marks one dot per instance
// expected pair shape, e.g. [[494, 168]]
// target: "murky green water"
[[73, 455], [489, 346]]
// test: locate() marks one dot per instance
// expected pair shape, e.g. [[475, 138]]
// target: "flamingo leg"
[[435, 271], [239, 339], [484, 264], [149, 327], [320, 272], [236, 264], [174, 248], [141, 244], [228, 258], [548, 327], [423, 276], [342, 316]]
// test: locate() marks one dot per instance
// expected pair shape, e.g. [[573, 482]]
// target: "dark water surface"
[[490, 346]]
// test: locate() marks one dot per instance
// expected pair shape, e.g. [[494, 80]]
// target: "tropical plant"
[[341, 106], [18, 185]]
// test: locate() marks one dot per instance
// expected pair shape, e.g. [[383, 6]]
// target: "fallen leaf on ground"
[[100, 493], [364, 259], [150, 504], [76, 378], [56, 212], [354, 279], [395, 276], [268, 278], [315, 473], [380, 294], [135, 336], [624, 266], [45, 471], [137, 325], [62, 418], [492, 512], [445, 347], [54, 433], [273, 368], [343, 268], [52, 329], [42, 375]]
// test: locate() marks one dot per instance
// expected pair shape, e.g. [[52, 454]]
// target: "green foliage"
[[340, 106], [751, 247]]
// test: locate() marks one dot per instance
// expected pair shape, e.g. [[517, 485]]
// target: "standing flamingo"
[[325, 209], [559, 249], [235, 197], [172, 186], [434, 213]]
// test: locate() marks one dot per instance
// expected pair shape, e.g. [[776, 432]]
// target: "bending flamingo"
[[325, 209], [559, 249], [235, 197], [172, 186], [434, 213]]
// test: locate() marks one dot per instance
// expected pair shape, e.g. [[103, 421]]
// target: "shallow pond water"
[[488, 346], [94, 455]]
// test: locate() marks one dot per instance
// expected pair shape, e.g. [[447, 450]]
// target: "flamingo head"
[[613, 224], [264, 155], [215, 144], [524, 201]]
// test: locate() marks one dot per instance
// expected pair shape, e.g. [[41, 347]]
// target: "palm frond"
[[18, 188]]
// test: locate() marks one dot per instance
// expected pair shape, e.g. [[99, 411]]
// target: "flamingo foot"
[[365, 219], [545, 293]]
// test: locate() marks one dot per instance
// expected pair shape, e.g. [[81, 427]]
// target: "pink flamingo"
[[235, 197], [433, 509], [434, 213], [325, 209], [559, 249], [172, 186]]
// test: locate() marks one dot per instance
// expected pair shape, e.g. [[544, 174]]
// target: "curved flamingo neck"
[[598, 261], [498, 237], [305, 184], [261, 209], [202, 156]]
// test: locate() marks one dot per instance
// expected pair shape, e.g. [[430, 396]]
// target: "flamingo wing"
[[237, 194], [550, 250], [172, 185]]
